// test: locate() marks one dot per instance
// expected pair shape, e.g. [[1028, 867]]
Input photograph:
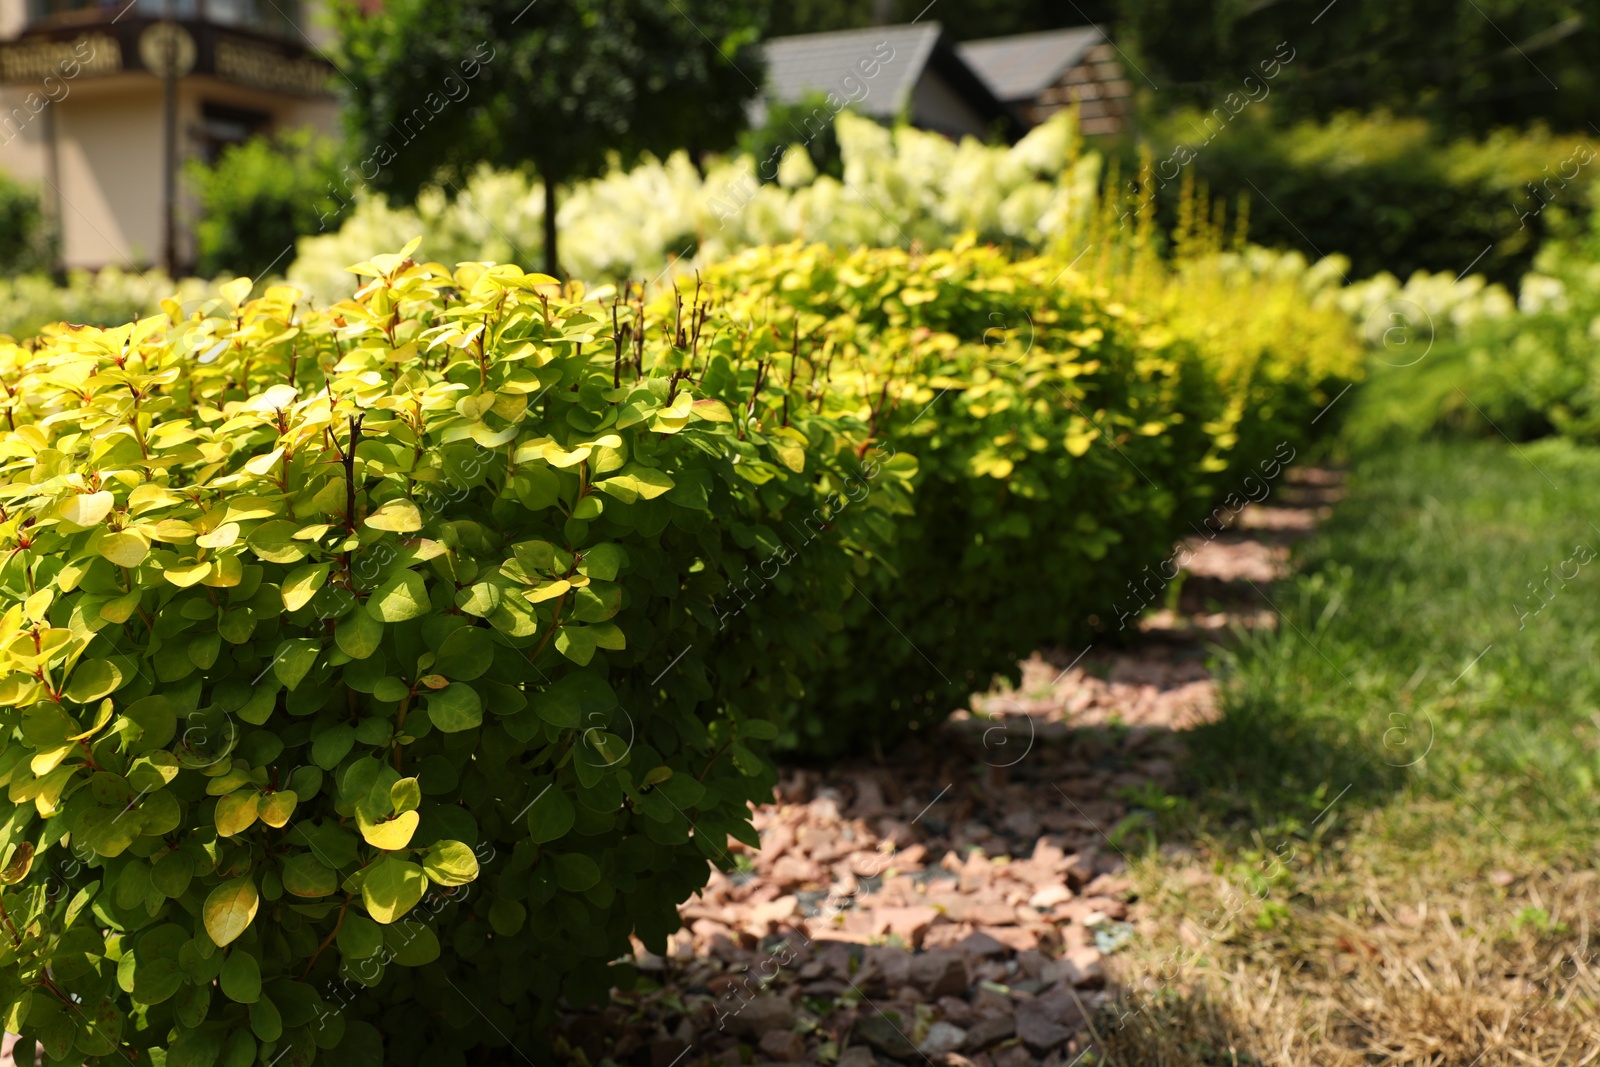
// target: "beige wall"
[[23, 133], [13, 15], [108, 148]]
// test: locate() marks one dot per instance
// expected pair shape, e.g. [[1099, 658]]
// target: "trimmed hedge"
[[368, 673], [1065, 439], [357, 677]]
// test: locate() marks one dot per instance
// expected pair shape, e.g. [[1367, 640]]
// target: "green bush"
[[1525, 373], [808, 122], [321, 623], [109, 297], [1065, 439], [259, 196], [26, 244], [1392, 194]]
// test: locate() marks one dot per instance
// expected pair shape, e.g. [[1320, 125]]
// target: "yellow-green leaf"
[[391, 834], [87, 509], [230, 909], [124, 549], [237, 812], [396, 516], [277, 808], [391, 887], [450, 863], [186, 573], [222, 537], [92, 680], [402, 597], [302, 584]]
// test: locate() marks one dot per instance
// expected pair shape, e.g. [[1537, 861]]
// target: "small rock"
[[1016, 938], [857, 1057], [995, 971], [886, 1035], [955, 1010], [762, 1015], [1078, 868], [1107, 885], [908, 923], [940, 973], [1045, 1022], [1084, 968], [981, 945], [946, 935], [1015, 1056], [942, 1038], [987, 1002], [785, 1045], [990, 1031], [990, 913], [889, 966], [1049, 896], [1502, 878], [774, 911], [839, 958]]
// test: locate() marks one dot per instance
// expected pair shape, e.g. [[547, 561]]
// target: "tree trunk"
[[552, 263]]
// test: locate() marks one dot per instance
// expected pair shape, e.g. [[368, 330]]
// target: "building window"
[[221, 126]]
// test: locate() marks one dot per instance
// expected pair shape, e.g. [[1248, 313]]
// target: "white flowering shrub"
[[900, 186]]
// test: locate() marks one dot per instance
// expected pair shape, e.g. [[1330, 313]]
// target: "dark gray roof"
[[1020, 67], [818, 62]]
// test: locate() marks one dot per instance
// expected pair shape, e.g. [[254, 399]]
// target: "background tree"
[[435, 89], [1468, 67]]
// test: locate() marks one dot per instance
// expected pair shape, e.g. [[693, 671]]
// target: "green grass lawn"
[[1407, 739], [1404, 666]]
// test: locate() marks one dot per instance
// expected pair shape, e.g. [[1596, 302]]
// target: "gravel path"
[[954, 902]]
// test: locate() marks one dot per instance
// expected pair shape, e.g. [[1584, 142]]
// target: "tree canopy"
[[435, 89], [1468, 66]]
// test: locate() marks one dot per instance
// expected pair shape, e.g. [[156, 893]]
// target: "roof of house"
[[1021, 67], [819, 62]]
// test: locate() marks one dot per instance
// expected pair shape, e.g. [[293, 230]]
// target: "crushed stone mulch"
[[954, 902]]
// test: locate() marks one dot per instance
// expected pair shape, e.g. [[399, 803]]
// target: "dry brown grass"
[[1386, 959]]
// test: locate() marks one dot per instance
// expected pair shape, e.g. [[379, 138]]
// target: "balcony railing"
[[279, 18]]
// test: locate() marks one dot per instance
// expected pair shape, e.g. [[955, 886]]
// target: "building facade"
[[102, 102], [890, 73], [1039, 74]]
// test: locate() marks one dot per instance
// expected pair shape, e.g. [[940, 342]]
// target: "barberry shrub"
[[1068, 430], [369, 675]]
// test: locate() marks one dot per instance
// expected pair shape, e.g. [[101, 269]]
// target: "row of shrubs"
[[1452, 356], [374, 671], [1064, 440], [1390, 193]]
